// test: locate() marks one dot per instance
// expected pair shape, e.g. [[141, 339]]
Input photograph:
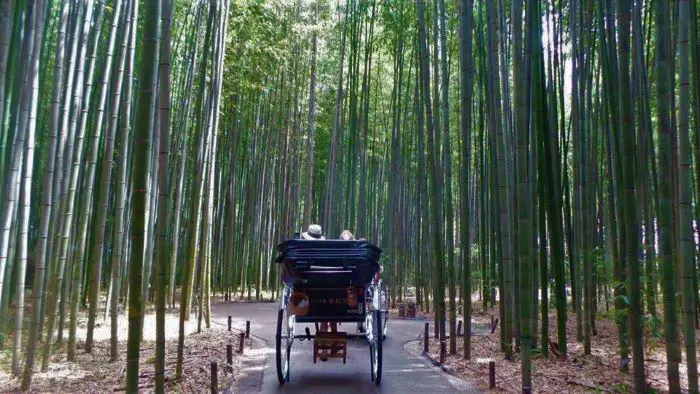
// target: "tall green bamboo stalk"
[[436, 193], [143, 121], [30, 98], [163, 249], [466, 16], [686, 197], [666, 232], [47, 202]]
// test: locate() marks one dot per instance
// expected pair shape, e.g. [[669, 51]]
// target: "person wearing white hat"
[[314, 232]]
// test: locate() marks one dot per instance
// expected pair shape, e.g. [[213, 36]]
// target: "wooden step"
[[331, 345]]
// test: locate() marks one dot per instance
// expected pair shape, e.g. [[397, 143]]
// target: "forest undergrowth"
[[579, 373], [95, 373]]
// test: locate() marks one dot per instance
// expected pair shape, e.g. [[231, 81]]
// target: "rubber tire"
[[378, 344], [281, 377]]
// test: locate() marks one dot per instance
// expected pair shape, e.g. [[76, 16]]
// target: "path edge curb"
[[234, 382], [457, 382], [436, 363]]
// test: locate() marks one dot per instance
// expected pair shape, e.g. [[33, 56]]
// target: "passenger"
[[347, 235], [314, 232]]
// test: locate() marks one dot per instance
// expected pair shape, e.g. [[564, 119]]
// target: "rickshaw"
[[329, 281]]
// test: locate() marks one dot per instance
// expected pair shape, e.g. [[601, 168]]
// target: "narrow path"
[[403, 372]]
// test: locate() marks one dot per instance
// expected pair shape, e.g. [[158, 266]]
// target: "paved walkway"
[[402, 372]]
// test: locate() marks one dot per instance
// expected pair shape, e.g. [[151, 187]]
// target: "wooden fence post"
[[214, 378], [229, 323], [241, 342], [247, 328], [426, 337], [229, 354], [442, 351], [492, 374]]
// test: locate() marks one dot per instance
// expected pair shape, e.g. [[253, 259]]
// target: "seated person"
[[314, 232], [346, 235]]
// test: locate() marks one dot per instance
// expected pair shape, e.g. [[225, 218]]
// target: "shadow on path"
[[403, 372]]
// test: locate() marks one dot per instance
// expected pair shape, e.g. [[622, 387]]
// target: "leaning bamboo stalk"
[[72, 163], [11, 193], [63, 103], [47, 203], [81, 227], [121, 200], [5, 33], [108, 157], [29, 106]]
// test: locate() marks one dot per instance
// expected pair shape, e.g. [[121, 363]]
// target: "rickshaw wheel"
[[283, 348], [375, 350]]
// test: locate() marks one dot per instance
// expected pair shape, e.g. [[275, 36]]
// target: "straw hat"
[[313, 232]]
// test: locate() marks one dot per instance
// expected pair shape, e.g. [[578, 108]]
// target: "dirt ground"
[[598, 372], [95, 373]]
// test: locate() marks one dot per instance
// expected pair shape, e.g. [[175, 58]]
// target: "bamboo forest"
[[526, 173]]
